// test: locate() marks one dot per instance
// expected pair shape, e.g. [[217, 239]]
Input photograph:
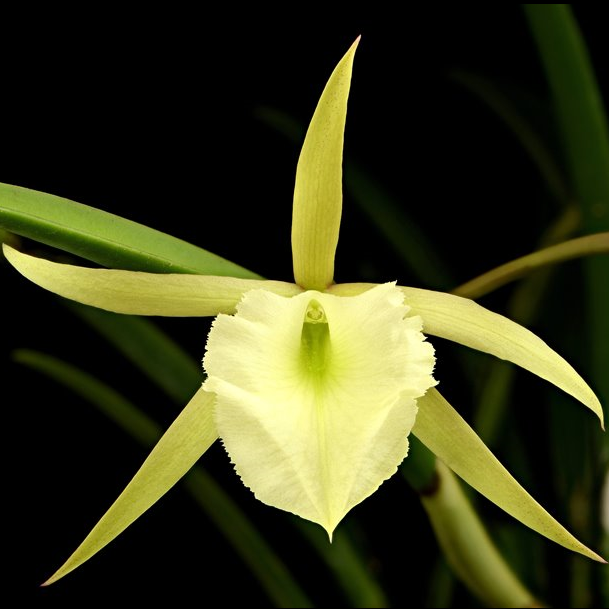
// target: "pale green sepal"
[[318, 194], [466, 322], [317, 395], [453, 441], [136, 293], [189, 436]]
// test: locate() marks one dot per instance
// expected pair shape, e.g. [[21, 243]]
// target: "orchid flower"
[[314, 387]]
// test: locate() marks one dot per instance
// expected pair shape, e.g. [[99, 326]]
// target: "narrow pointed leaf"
[[581, 117], [318, 190], [190, 435], [104, 238], [136, 293], [466, 322], [453, 441], [507, 108]]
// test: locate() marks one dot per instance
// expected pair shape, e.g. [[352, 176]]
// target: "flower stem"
[[460, 533], [467, 546]]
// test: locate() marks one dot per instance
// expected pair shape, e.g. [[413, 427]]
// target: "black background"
[[153, 116]]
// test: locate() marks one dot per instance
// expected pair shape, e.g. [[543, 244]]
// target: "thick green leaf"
[[189, 436], [466, 322], [137, 293], [249, 544], [104, 238], [453, 441], [318, 195]]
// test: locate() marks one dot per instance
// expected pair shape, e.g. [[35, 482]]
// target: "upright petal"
[[318, 195], [317, 395]]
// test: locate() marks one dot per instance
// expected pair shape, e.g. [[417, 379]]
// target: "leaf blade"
[[104, 238]]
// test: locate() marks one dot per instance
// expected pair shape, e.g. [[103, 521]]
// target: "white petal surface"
[[317, 441]]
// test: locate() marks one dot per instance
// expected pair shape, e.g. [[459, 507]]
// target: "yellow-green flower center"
[[315, 341]]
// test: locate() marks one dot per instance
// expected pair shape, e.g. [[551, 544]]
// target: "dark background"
[[153, 116]]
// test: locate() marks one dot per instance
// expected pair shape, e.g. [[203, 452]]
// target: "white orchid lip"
[[316, 395]]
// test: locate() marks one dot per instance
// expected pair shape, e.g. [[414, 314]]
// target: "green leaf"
[[466, 322], [104, 238], [138, 293], [527, 134], [189, 436], [318, 194], [453, 441], [582, 121], [236, 527]]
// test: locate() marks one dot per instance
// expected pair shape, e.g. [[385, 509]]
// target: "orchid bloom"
[[313, 387]]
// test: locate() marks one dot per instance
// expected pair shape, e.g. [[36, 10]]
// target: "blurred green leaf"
[[164, 362], [583, 125], [525, 131]]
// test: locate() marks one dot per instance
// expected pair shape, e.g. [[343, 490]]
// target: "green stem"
[[460, 533], [515, 269], [468, 548]]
